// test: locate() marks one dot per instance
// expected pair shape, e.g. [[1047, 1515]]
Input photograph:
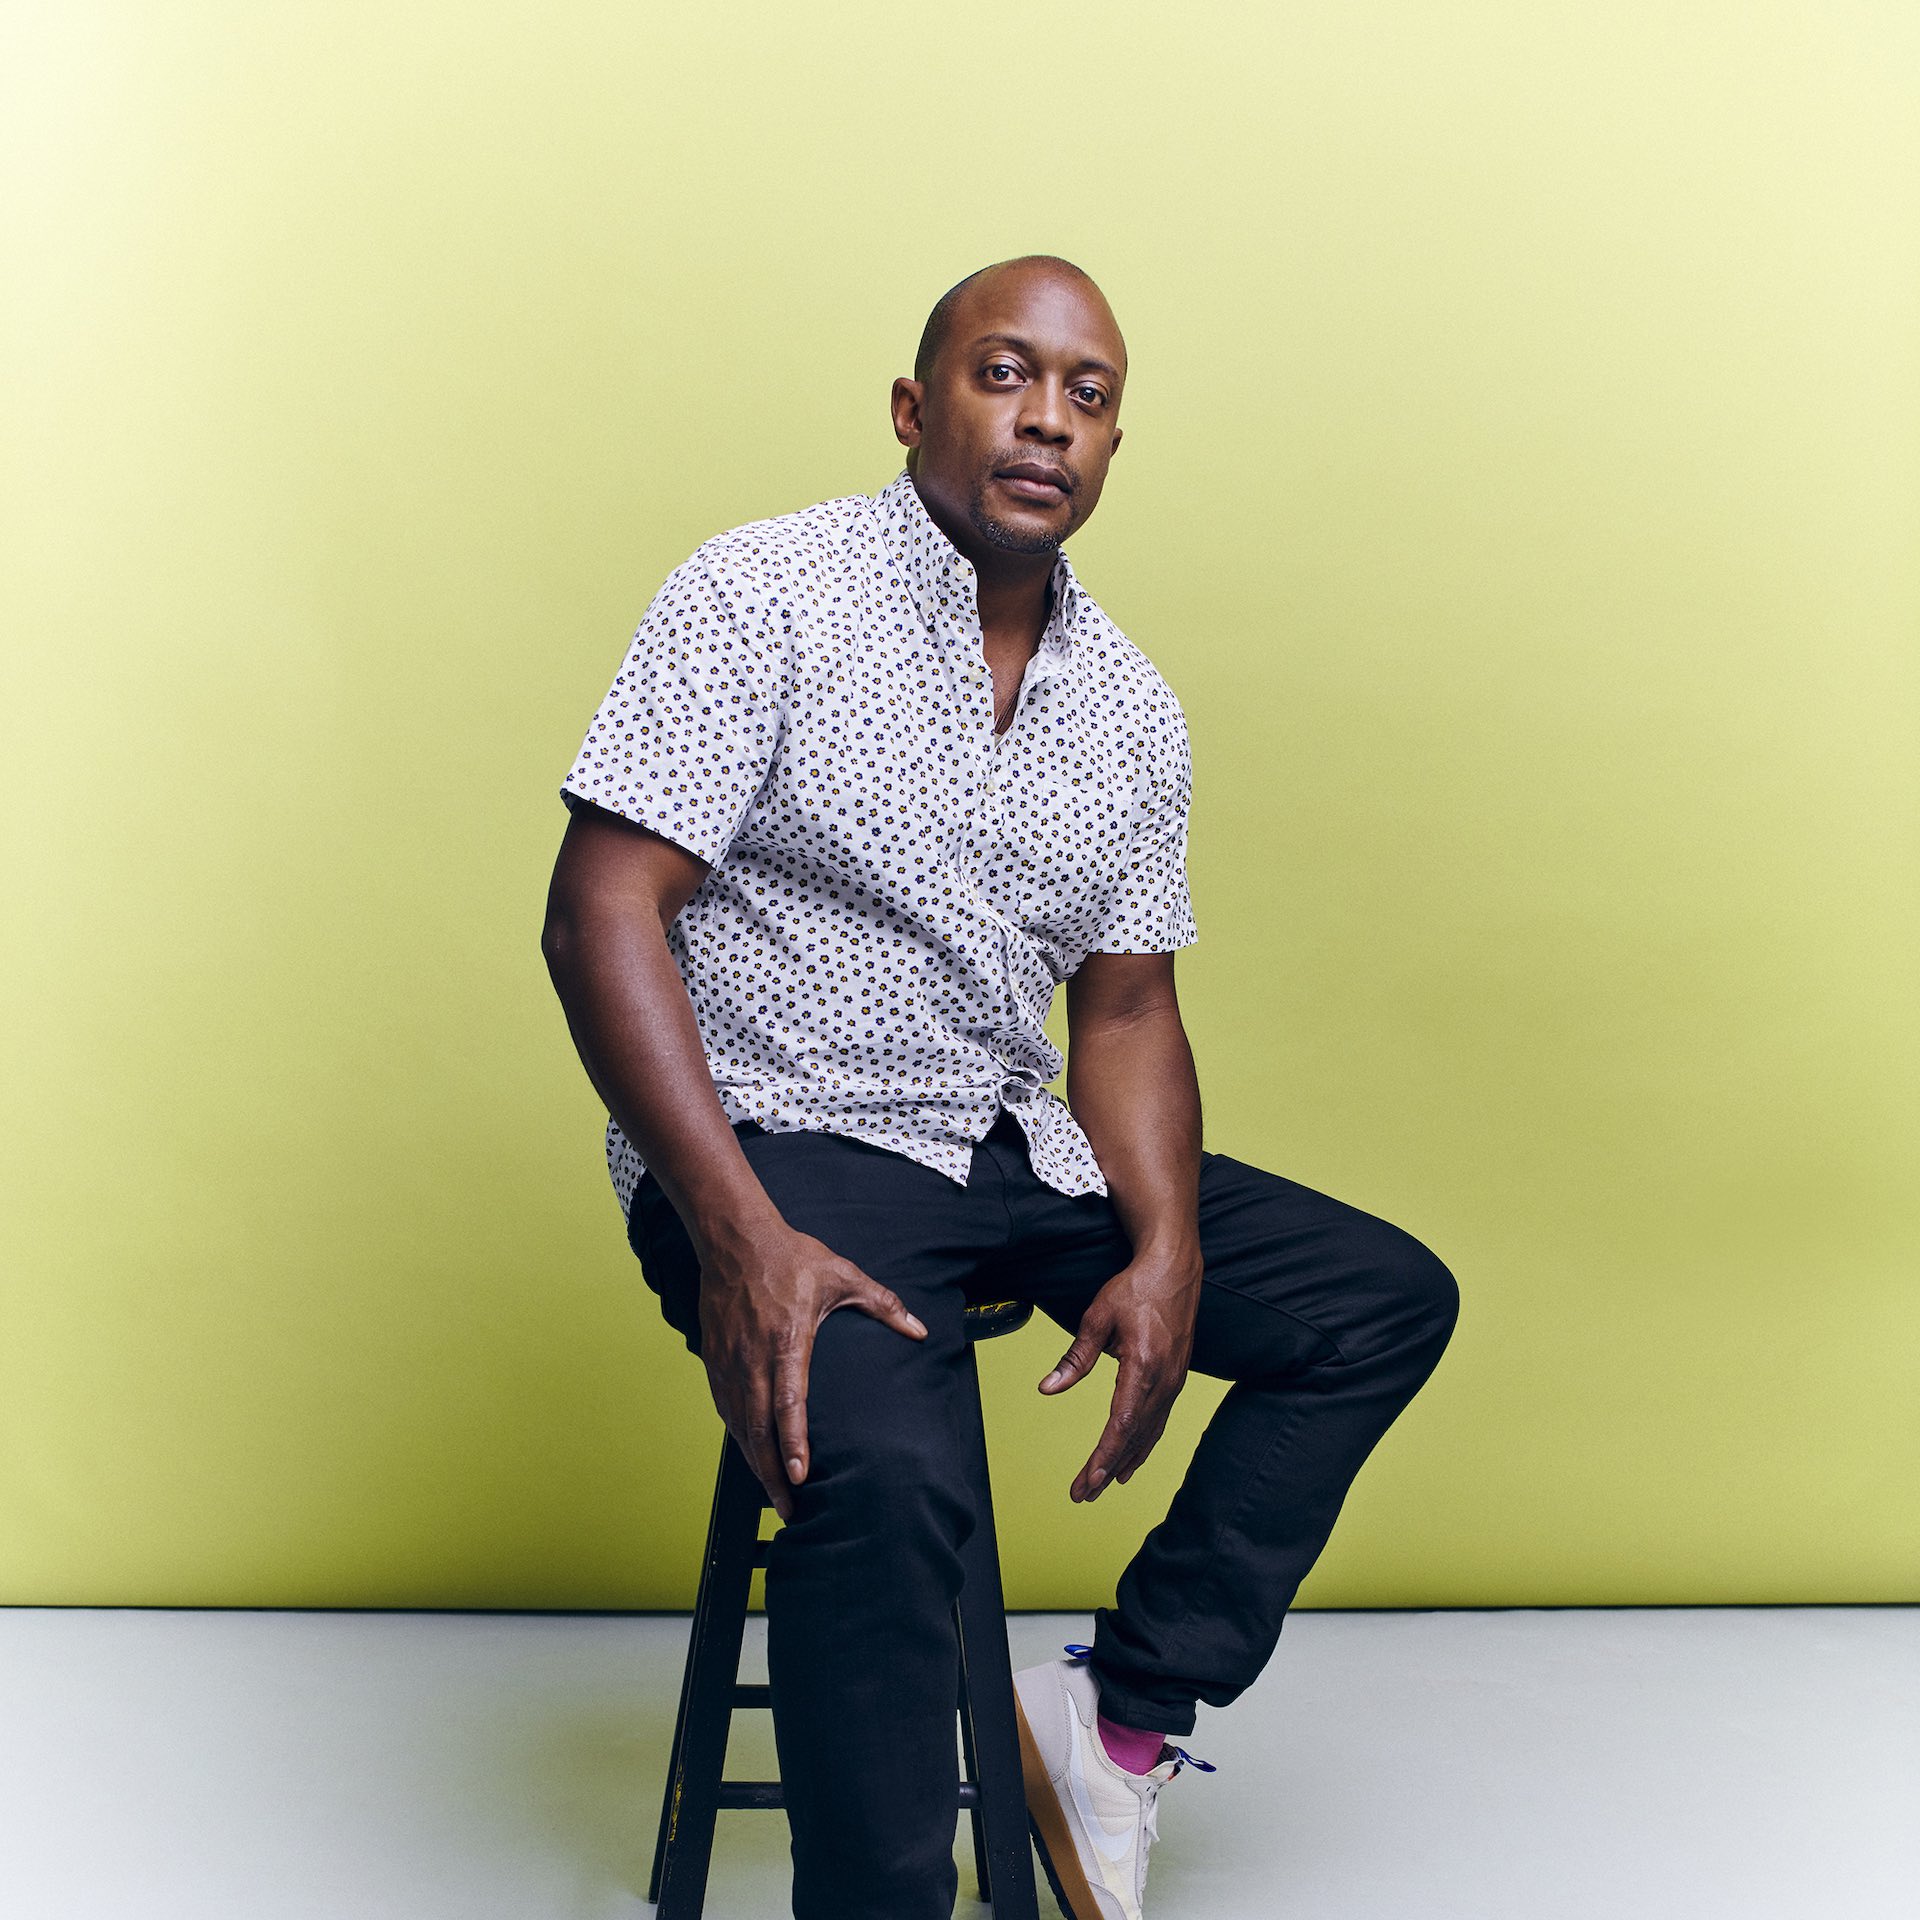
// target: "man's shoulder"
[[787, 548], [1121, 664]]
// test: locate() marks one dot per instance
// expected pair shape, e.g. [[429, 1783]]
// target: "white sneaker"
[[1094, 1820]]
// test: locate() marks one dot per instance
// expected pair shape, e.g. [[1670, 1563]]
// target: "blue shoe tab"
[[1074, 1651]]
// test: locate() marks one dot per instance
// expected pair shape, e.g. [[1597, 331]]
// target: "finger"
[[1095, 1476], [790, 1408], [1146, 1420], [885, 1305], [1077, 1362], [1149, 1424], [1152, 1428], [1152, 1425], [1117, 1438], [779, 1497], [732, 1415], [767, 1471], [760, 1441], [1154, 1415], [719, 1392]]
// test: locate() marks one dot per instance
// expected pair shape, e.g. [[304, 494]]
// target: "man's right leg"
[[861, 1582]]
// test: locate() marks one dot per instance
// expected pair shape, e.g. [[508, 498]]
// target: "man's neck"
[[1014, 609], [1014, 591]]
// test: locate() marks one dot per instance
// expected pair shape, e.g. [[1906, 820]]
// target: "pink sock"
[[1130, 1748]]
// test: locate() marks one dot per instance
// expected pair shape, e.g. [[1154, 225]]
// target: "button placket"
[[973, 687]]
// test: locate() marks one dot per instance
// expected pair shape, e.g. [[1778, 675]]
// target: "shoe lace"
[[1152, 1821], [1182, 1759]]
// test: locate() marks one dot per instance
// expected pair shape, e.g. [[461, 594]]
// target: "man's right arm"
[[617, 887], [764, 1288]]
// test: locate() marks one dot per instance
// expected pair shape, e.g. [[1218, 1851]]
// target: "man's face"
[[1014, 425]]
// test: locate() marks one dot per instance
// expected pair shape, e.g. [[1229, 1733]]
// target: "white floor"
[[1665, 1765]]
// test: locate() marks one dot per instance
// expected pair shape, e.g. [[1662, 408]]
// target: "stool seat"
[[989, 1319], [710, 1687]]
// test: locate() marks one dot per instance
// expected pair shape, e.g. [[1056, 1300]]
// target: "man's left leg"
[[1327, 1320]]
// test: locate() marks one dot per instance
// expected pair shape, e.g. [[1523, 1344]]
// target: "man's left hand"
[[1144, 1317]]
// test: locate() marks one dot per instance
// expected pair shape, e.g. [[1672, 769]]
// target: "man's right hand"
[[760, 1306]]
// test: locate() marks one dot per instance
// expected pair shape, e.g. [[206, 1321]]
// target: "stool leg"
[[676, 1753], [982, 1872], [692, 1801], [988, 1667]]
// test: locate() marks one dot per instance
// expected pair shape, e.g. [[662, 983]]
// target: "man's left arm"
[[1132, 1087]]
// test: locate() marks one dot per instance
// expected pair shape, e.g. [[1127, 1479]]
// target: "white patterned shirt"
[[894, 889]]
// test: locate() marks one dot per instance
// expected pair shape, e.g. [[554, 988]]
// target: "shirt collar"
[[940, 578]]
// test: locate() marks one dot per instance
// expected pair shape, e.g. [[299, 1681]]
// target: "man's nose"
[[1047, 415]]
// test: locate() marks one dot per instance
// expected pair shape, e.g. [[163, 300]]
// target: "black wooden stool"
[[710, 1686]]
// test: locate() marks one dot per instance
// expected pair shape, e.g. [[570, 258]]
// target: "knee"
[[1414, 1296], [874, 1550], [902, 1473], [889, 1491]]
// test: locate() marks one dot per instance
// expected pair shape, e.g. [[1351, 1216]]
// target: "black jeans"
[[1326, 1319]]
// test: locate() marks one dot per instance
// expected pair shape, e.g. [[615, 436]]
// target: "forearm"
[[634, 1028], [1132, 1087]]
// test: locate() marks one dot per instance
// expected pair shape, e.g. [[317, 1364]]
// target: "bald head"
[[940, 322], [1012, 412]]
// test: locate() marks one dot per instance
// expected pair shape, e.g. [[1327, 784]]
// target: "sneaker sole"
[[1058, 1855]]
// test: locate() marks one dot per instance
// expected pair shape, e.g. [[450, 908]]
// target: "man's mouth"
[[1030, 480]]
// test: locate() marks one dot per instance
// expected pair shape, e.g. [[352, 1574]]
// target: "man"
[[873, 779]]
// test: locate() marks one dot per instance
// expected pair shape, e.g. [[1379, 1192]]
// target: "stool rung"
[[751, 1793], [766, 1795], [713, 1689]]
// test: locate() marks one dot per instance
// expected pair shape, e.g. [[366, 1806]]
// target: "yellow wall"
[[1520, 490]]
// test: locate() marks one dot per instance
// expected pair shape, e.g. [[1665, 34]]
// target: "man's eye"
[[1000, 366], [1091, 395]]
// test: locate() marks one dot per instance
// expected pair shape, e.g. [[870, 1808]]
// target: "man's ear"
[[1115, 448], [907, 398]]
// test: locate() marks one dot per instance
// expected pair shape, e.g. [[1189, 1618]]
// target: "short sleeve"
[[690, 727], [1151, 911]]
